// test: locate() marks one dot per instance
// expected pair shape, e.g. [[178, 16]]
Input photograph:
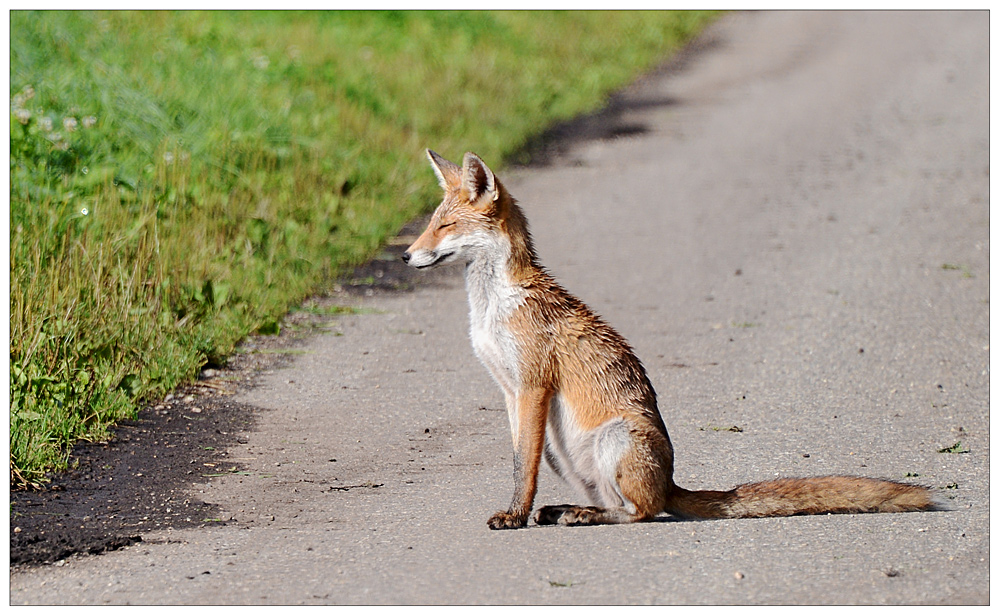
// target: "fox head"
[[470, 219]]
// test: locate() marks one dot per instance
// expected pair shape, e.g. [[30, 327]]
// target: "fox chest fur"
[[493, 299]]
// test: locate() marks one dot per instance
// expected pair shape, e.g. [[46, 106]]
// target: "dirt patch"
[[138, 482]]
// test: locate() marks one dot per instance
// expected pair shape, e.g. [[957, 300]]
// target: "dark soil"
[[138, 482]]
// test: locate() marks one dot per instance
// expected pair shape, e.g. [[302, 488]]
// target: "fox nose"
[[406, 257]]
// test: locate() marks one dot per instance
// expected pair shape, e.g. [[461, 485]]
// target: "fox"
[[577, 395]]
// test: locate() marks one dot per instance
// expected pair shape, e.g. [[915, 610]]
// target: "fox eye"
[[445, 225]]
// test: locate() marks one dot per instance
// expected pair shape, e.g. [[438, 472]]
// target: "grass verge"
[[179, 180]]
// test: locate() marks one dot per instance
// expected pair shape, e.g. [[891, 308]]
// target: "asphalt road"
[[795, 238]]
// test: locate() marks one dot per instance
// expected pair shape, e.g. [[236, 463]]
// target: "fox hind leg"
[[633, 476], [575, 515]]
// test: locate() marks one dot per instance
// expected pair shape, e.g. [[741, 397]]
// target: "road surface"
[[794, 235]]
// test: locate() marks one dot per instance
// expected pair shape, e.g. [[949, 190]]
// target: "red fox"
[[575, 392]]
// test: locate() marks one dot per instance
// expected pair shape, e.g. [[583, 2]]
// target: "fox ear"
[[449, 174], [477, 179]]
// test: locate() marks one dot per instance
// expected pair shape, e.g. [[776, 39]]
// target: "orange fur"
[[576, 393]]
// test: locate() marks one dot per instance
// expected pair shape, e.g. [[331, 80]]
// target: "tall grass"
[[181, 179]]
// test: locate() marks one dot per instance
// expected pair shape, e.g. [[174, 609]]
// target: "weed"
[[722, 429], [966, 271], [270, 327], [956, 448], [333, 310]]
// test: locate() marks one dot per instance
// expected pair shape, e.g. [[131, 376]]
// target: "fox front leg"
[[529, 439]]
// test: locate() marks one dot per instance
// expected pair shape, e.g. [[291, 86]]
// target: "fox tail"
[[806, 496]]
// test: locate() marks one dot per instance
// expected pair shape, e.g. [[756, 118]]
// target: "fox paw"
[[504, 519], [567, 515]]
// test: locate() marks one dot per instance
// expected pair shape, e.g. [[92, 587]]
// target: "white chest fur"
[[492, 301]]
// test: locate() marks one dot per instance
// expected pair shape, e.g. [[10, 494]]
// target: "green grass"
[[179, 180]]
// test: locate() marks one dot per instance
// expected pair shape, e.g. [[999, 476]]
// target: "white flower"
[[29, 92], [84, 211], [168, 157], [22, 115], [69, 124], [46, 124], [89, 121]]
